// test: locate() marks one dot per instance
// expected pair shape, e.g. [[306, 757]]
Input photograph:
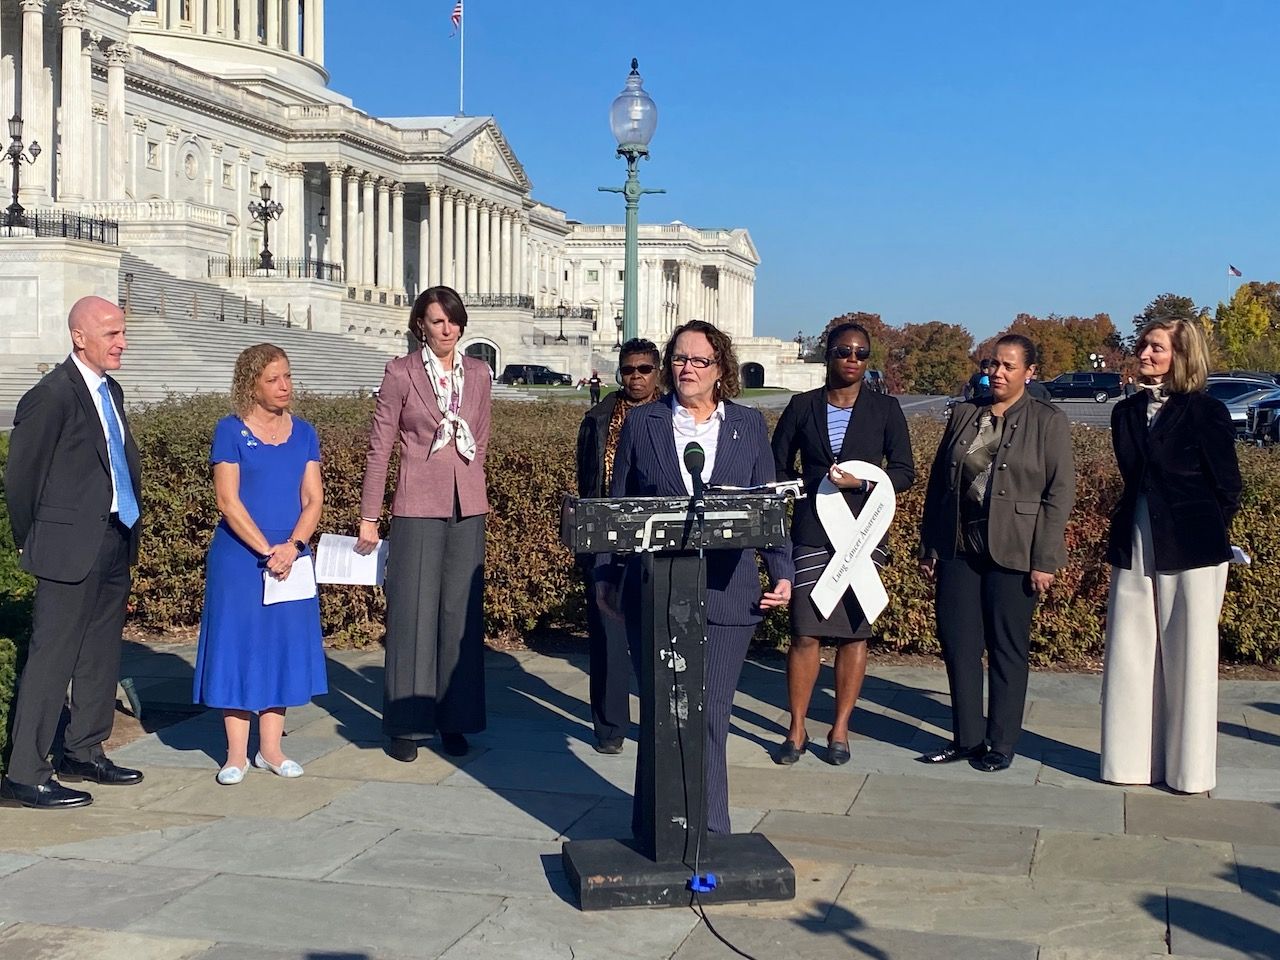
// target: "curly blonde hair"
[[249, 366], [730, 383]]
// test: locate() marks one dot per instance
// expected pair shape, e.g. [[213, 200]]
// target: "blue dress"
[[252, 656]]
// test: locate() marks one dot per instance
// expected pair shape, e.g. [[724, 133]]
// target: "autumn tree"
[[1243, 328], [1064, 344], [934, 357]]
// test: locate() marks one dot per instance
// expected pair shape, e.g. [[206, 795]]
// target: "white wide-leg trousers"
[[1160, 678]]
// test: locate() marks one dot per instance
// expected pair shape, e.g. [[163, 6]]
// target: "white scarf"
[[448, 390], [1158, 395]]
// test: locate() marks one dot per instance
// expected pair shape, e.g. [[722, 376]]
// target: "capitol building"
[[158, 124]]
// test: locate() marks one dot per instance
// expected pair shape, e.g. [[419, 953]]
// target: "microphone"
[[695, 460]]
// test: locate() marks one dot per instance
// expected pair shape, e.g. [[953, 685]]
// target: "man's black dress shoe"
[[789, 753], [50, 795], [838, 752], [610, 746], [402, 749], [951, 753], [993, 761], [99, 770], [455, 744]]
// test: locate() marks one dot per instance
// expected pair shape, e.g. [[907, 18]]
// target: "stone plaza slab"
[[108, 896], [1136, 860], [1226, 926], [1199, 818], [35, 941]]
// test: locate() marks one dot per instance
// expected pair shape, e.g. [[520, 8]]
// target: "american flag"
[[1231, 271], [456, 17]]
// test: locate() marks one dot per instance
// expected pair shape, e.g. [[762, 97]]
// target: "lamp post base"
[[606, 874]]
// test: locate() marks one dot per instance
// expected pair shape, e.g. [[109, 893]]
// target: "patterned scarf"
[[1156, 400], [448, 389], [620, 411]]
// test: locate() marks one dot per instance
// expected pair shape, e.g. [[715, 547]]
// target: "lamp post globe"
[[264, 211], [619, 323], [562, 311], [633, 115], [15, 215]]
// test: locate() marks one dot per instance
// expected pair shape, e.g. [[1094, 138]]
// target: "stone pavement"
[[368, 858]]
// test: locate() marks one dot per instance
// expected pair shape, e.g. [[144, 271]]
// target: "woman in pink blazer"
[[435, 404]]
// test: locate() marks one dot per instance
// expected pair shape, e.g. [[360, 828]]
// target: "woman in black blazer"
[[838, 422], [1175, 446]]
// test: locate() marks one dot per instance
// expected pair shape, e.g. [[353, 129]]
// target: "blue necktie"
[[126, 503]]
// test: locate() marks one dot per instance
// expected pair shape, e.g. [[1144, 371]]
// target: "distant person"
[[846, 419], [435, 404], [992, 537], [255, 658], [610, 663], [1038, 391], [593, 384], [1176, 449], [73, 492], [1130, 388], [979, 384]]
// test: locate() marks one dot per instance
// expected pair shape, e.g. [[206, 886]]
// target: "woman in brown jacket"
[[992, 536]]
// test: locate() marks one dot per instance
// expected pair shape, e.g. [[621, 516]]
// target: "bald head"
[[97, 333]]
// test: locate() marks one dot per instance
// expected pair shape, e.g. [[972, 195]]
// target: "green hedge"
[[531, 583]]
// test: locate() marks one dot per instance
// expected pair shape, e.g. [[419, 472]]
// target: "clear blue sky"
[[927, 160]]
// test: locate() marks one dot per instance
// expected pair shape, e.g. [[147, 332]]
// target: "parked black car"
[[533, 373], [1262, 421], [1099, 387]]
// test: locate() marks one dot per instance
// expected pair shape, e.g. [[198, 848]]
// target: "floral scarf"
[[448, 389]]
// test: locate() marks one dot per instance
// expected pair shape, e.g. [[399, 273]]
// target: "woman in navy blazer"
[[839, 421], [700, 370]]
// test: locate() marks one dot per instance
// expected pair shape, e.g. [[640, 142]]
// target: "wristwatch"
[[299, 546]]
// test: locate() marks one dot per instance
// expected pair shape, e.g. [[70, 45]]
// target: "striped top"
[[837, 426]]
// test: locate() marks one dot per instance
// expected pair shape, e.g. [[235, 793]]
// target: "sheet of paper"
[[1239, 556], [300, 585], [338, 562]]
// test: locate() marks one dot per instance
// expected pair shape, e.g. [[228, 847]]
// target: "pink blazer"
[[407, 411]]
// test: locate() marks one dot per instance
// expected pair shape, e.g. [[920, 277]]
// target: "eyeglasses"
[[844, 352], [680, 359], [644, 369]]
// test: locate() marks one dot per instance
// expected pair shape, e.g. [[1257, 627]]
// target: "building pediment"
[[485, 148]]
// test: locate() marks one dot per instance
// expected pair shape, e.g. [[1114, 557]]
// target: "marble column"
[[249, 21], [8, 80], [435, 268], [198, 16], [383, 233], [90, 158], [173, 14], [495, 249], [117, 143], [333, 253], [298, 190], [397, 238], [368, 223], [473, 245], [36, 108], [504, 286], [271, 10], [518, 256], [460, 242], [291, 40], [308, 29], [353, 261], [446, 239], [315, 11], [483, 254], [75, 101], [424, 246]]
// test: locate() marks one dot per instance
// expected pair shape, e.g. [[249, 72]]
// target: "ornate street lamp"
[[264, 212], [634, 118], [1097, 360], [619, 322], [562, 311], [324, 218], [799, 344], [15, 216], [128, 291]]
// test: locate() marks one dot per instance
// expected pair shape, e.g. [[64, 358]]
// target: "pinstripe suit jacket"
[[646, 465]]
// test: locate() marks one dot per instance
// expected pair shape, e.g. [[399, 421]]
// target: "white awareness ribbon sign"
[[853, 538]]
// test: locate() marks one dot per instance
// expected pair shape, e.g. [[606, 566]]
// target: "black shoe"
[[455, 744], [838, 752], [993, 761], [99, 770], [402, 749], [789, 753], [610, 746], [951, 753], [50, 795]]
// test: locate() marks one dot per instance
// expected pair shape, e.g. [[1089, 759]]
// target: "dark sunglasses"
[[644, 369], [844, 352]]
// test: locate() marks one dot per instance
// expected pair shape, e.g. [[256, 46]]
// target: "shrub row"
[[531, 582]]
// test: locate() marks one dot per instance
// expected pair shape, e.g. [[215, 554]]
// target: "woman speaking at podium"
[[700, 371]]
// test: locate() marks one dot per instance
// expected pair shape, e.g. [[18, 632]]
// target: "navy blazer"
[[877, 434], [1185, 464], [646, 465]]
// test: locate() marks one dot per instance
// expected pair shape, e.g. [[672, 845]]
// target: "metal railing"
[[55, 223], [520, 302], [281, 267], [575, 313]]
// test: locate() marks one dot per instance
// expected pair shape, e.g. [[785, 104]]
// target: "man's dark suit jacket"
[[646, 465], [877, 433], [1185, 463], [58, 478]]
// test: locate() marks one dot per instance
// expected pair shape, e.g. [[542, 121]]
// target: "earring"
[[717, 386]]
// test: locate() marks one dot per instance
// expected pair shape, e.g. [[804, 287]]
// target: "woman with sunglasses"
[[700, 368], [610, 664], [838, 422]]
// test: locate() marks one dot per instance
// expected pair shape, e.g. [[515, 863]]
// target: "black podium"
[[671, 840]]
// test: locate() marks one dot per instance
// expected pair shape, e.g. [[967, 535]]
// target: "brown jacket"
[[1033, 487], [407, 411]]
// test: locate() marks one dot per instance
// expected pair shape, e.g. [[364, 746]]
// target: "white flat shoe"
[[288, 769], [229, 776]]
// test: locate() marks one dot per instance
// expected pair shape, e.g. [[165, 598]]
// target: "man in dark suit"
[[73, 492], [597, 442]]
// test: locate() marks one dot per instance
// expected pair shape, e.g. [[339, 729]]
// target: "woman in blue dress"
[[253, 657]]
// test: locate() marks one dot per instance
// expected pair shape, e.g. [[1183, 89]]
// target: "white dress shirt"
[[93, 382], [687, 431]]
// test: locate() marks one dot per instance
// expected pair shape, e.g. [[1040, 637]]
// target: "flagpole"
[[462, 52]]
